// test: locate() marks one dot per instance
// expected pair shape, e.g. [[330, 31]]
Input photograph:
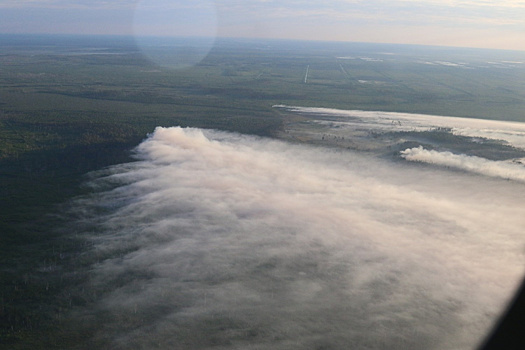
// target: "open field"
[[70, 105]]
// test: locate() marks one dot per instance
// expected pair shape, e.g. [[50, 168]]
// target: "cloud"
[[412, 22], [486, 3], [431, 22], [213, 239], [380, 11], [451, 12], [68, 4], [175, 19]]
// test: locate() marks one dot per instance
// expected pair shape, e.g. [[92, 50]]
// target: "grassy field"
[[70, 105]]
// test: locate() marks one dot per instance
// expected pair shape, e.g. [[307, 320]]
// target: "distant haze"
[[489, 24], [221, 240]]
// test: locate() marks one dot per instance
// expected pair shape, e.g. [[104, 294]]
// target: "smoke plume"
[[502, 169], [219, 240]]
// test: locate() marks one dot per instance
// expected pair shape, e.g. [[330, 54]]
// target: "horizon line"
[[259, 39]]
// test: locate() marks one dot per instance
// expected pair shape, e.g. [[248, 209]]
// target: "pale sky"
[[483, 23]]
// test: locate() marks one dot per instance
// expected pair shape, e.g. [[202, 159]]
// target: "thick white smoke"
[[220, 240], [502, 169]]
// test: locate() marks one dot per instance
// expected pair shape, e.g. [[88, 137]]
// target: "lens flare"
[[175, 34]]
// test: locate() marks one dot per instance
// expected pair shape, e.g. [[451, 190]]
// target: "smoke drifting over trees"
[[214, 239]]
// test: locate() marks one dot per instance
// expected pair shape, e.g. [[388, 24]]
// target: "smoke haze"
[[506, 170], [511, 133], [219, 240]]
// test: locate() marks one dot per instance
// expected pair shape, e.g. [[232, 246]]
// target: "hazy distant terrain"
[[492, 148], [325, 195]]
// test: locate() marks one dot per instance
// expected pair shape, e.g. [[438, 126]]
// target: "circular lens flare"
[[175, 34]]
